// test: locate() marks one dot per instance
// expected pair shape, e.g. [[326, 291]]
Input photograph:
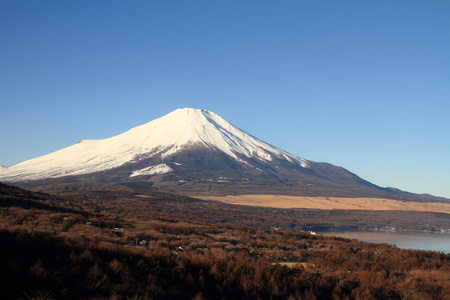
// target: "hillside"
[[148, 203], [122, 244]]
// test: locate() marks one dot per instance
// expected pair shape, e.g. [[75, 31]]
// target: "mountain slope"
[[164, 136], [191, 151]]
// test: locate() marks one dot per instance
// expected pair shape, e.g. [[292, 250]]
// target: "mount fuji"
[[191, 151]]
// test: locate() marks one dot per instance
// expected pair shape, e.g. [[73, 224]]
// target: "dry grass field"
[[283, 201]]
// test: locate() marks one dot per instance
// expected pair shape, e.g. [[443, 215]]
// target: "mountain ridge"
[[196, 152]]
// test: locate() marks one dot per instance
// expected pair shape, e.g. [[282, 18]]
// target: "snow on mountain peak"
[[165, 136]]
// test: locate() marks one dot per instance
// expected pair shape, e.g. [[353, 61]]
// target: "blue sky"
[[360, 84]]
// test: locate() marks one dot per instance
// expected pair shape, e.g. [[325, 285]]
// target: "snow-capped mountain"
[[185, 150], [162, 137]]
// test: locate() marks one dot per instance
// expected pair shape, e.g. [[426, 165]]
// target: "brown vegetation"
[[151, 204], [105, 245]]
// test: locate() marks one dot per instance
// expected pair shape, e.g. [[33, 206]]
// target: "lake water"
[[402, 239]]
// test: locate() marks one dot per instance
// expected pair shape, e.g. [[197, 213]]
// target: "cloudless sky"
[[360, 84]]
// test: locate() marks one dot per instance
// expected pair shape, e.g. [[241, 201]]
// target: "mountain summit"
[[192, 151], [163, 137]]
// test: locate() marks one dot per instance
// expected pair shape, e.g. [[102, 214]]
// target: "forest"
[[113, 244]]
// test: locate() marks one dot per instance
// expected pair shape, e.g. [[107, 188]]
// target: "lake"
[[402, 239]]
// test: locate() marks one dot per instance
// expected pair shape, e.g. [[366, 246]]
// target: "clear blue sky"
[[360, 84]]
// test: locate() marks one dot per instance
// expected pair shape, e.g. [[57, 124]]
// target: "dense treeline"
[[38, 266], [88, 248]]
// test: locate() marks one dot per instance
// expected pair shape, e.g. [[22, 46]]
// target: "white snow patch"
[[303, 163], [152, 170]]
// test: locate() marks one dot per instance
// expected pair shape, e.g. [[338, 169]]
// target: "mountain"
[[191, 151], [180, 130]]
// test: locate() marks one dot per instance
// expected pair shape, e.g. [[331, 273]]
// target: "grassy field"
[[283, 201]]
